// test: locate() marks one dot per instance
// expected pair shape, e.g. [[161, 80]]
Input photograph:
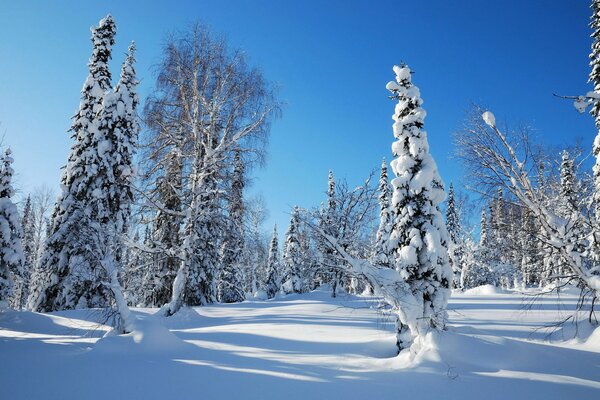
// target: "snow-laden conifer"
[[231, 288], [68, 275], [161, 269], [381, 251], [294, 269], [205, 231], [483, 235], [272, 279], [11, 251], [455, 245], [419, 237], [122, 130], [28, 241]]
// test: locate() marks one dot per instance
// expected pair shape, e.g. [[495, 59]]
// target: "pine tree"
[[594, 78], [271, 284], [205, 232], [419, 237], [162, 267], [568, 208], [294, 275], [567, 202], [124, 135], [455, 245], [230, 283], [11, 251], [28, 223], [330, 273], [483, 236], [69, 276], [381, 251]]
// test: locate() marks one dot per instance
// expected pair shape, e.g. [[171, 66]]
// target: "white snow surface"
[[306, 346]]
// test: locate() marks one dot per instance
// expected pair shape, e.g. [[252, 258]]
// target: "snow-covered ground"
[[303, 347]]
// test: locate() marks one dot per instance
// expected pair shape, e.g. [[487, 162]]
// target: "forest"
[[153, 250]]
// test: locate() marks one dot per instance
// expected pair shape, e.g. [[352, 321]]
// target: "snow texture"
[[302, 347]]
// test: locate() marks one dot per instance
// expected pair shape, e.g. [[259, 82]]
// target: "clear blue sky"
[[332, 60]]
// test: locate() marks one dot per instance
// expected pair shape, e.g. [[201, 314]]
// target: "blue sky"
[[331, 59]]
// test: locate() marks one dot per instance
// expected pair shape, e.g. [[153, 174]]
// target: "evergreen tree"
[[271, 283], [483, 236], [594, 78], [294, 275], [123, 132], [230, 284], [419, 237], [69, 275], [329, 270], [11, 251], [28, 224], [381, 251], [567, 202], [205, 233], [455, 245], [162, 267]]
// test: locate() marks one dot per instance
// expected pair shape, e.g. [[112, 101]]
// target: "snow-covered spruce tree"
[[483, 235], [162, 267], [567, 201], [594, 78], [419, 237], [231, 288], [455, 245], [28, 241], [206, 229], [11, 251], [120, 111], [68, 277], [474, 272], [476, 257], [329, 272], [272, 279], [381, 251], [293, 280], [569, 208]]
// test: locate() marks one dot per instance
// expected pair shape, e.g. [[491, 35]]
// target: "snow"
[[489, 118], [303, 346]]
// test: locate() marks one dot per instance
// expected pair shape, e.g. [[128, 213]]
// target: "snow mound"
[[149, 337], [593, 342], [52, 324], [485, 290]]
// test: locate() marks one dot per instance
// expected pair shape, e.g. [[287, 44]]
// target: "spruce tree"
[[483, 236], [11, 251], [70, 275], [455, 246], [205, 233], [123, 132], [330, 273], [594, 78], [230, 283], [381, 251], [293, 280], [419, 237], [28, 224], [271, 283], [162, 268], [567, 202]]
